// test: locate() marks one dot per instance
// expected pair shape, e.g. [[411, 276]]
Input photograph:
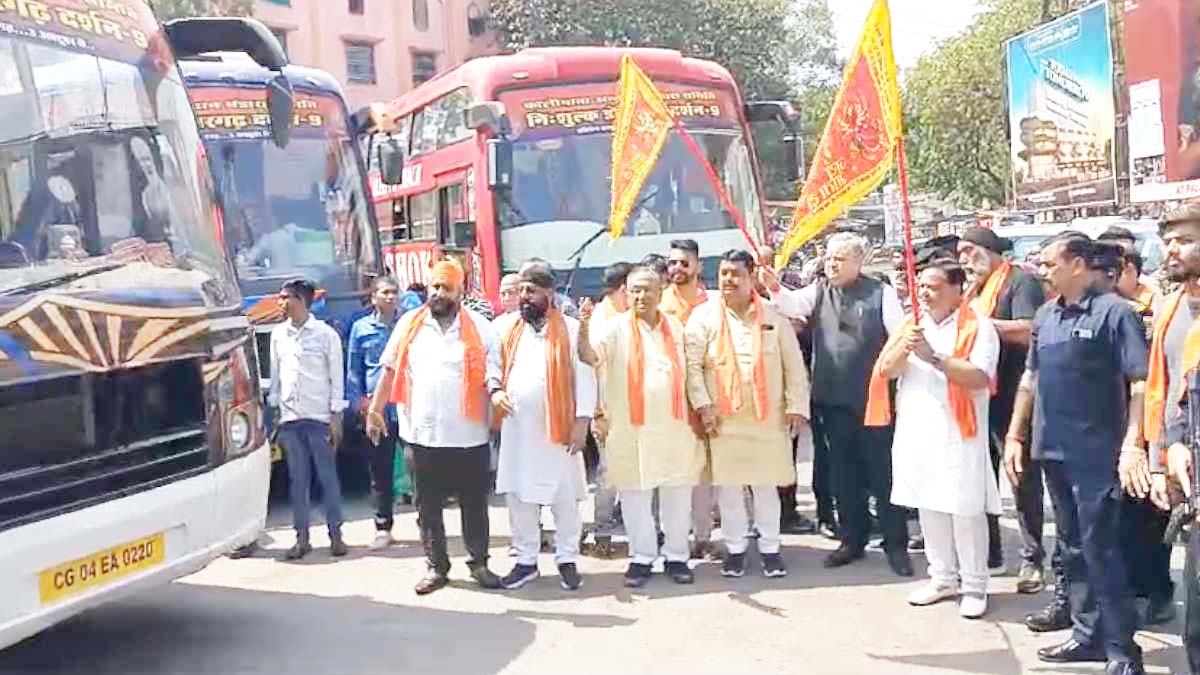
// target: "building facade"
[[379, 49]]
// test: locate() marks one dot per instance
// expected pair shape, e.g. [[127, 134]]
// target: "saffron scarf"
[[474, 388], [635, 371], [675, 304], [560, 374], [879, 405], [1156, 378], [989, 294], [729, 375]]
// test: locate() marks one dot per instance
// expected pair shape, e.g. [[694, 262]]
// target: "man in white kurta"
[[614, 304], [649, 445], [938, 469], [752, 395], [535, 471]]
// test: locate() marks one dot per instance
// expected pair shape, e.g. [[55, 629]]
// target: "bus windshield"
[[562, 140], [294, 211], [99, 167]]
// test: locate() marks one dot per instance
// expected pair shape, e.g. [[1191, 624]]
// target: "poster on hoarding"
[[1061, 112], [1162, 67]]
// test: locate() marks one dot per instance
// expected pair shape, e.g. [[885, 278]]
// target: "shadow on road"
[[285, 633]]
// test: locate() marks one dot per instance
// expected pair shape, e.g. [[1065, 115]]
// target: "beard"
[[1182, 274], [532, 312], [442, 307]]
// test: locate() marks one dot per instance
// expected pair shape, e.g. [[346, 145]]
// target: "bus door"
[[456, 223]]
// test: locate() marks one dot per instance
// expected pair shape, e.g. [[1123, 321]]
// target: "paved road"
[[359, 615]]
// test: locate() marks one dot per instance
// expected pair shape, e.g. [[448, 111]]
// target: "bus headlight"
[[239, 431]]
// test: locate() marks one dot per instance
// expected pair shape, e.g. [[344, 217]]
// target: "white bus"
[[131, 442]]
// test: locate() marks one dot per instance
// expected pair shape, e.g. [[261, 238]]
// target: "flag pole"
[[716, 182], [909, 258]]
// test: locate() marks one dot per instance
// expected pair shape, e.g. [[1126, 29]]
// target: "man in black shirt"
[[1009, 297]]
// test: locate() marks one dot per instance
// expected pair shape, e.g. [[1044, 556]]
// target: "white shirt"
[[800, 304], [531, 466], [307, 377], [434, 418], [933, 466]]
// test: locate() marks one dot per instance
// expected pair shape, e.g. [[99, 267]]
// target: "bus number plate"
[[100, 568]]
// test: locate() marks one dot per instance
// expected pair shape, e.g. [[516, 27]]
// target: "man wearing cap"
[[439, 367], [1087, 363], [1174, 338], [1010, 297], [850, 316], [546, 401]]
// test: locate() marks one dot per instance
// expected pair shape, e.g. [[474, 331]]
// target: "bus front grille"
[[73, 442]]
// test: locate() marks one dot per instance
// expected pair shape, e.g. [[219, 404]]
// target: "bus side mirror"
[[488, 116], [391, 162], [280, 102], [500, 163], [775, 127], [198, 35]]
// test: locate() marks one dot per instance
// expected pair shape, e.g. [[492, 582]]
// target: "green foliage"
[[767, 44], [177, 9], [955, 105]]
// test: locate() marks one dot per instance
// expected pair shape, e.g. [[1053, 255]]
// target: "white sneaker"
[[382, 540], [931, 593], [973, 605]]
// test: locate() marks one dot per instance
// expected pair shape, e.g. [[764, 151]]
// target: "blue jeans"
[[305, 445]]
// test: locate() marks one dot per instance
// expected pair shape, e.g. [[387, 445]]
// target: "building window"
[[421, 14], [282, 36], [360, 63], [356, 6], [476, 20], [424, 67]]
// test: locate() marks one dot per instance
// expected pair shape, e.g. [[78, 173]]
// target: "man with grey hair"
[[850, 317]]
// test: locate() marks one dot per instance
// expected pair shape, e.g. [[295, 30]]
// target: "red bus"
[[508, 157]]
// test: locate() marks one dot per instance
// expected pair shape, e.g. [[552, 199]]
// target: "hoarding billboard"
[[1162, 64], [1061, 112]]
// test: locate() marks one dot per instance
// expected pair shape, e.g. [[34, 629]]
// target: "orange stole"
[[879, 405], [675, 304], [560, 374], [1156, 378], [989, 295], [474, 389], [635, 372], [729, 376]]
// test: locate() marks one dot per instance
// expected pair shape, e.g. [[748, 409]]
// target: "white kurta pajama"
[[747, 451], [663, 453], [949, 479], [533, 471]]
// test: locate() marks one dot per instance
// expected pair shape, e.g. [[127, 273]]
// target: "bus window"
[[454, 121], [422, 211], [452, 215], [400, 223]]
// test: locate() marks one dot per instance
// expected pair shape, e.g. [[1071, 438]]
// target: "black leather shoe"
[[1124, 668], [900, 563], [485, 577], [433, 581], [1072, 651], [796, 524], [843, 556], [1054, 617], [337, 547], [298, 551]]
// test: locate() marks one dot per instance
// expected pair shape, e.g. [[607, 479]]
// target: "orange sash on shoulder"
[[879, 405], [729, 376], [675, 304], [474, 389], [636, 371], [560, 374], [985, 301], [1156, 377]]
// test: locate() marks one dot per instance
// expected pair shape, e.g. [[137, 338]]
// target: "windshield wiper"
[[60, 279]]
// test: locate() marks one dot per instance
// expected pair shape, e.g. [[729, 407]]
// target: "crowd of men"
[[1071, 379]]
